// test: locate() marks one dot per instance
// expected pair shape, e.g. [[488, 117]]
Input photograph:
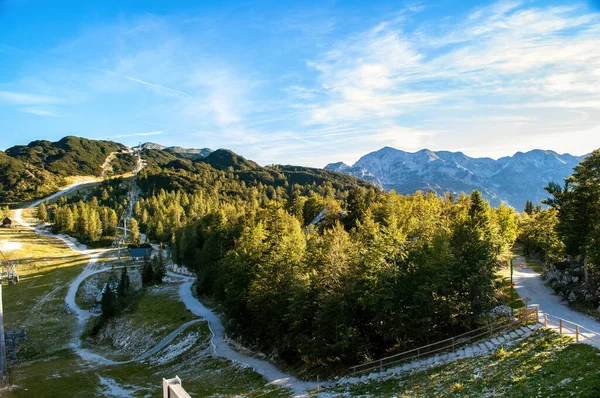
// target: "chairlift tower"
[[8, 274], [3, 365]]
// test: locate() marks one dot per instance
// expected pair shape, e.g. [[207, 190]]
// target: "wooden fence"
[[450, 344], [568, 328]]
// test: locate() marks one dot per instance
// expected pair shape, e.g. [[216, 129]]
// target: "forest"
[[379, 272], [376, 273]]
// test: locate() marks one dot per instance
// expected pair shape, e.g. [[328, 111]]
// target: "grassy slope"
[[48, 367], [153, 314], [544, 365]]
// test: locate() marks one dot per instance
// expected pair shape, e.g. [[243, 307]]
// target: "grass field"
[[47, 364]]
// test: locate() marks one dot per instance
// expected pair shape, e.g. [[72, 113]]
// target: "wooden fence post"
[[577, 333], [546, 320], [560, 326], [537, 314]]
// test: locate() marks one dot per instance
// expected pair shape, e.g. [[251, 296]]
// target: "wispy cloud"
[[40, 111], [158, 87], [19, 98], [150, 133], [444, 78]]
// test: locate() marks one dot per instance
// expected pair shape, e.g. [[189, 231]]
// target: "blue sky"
[[307, 82]]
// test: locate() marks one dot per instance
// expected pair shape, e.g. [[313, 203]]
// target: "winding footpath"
[[219, 344], [220, 347], [529, 283]]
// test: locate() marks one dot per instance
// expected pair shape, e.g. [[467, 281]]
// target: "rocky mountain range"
[[511, 179], [194, 152]]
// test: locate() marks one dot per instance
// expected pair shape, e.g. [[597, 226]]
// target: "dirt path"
[[90, 269], [530, 284], [222, 349]]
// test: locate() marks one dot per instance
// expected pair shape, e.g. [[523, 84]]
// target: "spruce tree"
[[42, 212], [529, 207], [123, 288], [147, 272], [109, 302], [160, 267]]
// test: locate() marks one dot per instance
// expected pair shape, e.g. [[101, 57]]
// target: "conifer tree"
[[42, 212], [135, 231], [123, 288], [529, 207], [109, 302], [147, 271]]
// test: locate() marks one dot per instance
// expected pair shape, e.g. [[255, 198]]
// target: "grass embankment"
[[152, 314], [544, 365], [48, 366], [508, 293]]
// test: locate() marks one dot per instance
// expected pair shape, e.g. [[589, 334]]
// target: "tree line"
[[380, 272]]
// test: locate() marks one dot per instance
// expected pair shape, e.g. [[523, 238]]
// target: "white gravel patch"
[[175, 350], [110, 388], [7, 246]]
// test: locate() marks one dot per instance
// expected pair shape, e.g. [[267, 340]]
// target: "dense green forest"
[[92, 218], [379, 272]]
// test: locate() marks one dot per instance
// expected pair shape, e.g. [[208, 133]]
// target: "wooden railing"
[[450, 344], [524, 315], [568, 328]]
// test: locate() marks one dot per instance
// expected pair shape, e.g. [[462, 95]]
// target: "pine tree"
[[42, 212], [147, 272], [529, 207], [160, 268], [123, 288], [109, 302], [69, 221], [135, 231]]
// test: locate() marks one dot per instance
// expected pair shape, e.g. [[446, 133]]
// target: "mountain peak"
[[511, 179]]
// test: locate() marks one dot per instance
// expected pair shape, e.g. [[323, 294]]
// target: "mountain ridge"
[[510, 179]]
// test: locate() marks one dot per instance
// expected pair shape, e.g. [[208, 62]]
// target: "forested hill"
[[172, 171], [23, 181], [38, 169], [67, 157]]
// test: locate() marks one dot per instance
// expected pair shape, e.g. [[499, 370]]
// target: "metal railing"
[[449, 344]]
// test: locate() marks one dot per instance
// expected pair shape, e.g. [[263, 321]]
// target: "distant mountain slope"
[[192, 152], [69, 156], [512, 180]]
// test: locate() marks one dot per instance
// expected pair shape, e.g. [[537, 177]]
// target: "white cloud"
[[151, 133], [453, 76]]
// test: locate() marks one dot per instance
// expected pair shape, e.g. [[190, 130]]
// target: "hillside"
[[171, 171], [22, 181], [67, 157], [512, 179]]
